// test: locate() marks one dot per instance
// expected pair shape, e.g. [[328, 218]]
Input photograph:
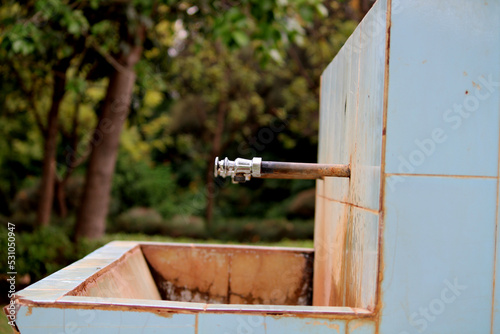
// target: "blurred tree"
[[228, 103], [54, 32], [39, 42], [231, 24], [361, 7]]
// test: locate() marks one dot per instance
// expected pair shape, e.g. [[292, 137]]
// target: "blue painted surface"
[[496, 303], [368, 99], [444, 57], [351, 121], [361, 327], [439, 237], [38, 317], [292, 325], [209, 323], [57, 320], [442, 119], [362, 254]]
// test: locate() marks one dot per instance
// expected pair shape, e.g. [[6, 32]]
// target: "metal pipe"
[[241, 170], [296, 170]]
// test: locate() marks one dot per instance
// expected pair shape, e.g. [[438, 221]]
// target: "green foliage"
[[139, 220], [136, 183], [199, 58], [265, 230], [39, 253]]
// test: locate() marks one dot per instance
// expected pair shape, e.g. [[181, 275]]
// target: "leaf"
[[240, 37], [74, 28], [276, 56], [321, 9], [17, 45], [77, 85]]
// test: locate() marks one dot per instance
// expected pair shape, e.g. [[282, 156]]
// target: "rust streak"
[[354, 314], [376, 212], [293, 170], [380, 275], [77, 291], [324, 323]]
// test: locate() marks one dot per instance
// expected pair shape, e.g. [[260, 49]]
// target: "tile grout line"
[[445, 175], [495, 246], [376, 212]]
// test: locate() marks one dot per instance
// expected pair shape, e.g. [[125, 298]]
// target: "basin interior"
[[214, 274]]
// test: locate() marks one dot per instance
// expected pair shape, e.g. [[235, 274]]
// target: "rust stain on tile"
[[339, 260], [129, 277], [378, 292], [163, 313], [324, 323], [231, 275], [189, 274], [276, 279], [355, 326], [29, 311]]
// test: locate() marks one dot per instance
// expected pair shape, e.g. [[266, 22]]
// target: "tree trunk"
[[216, 146], [91, 219], [61, 198], [50, 147]]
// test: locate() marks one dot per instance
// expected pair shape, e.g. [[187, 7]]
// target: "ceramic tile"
[[366, 158], [92, 262], [341, 113], [293, 325], [438, 255], [273, 278], [289, 309], [361, 327], [361, 259], [179, 323], [51, 330], [113, 250], [323, 116], [93, 330], [329, 255], [39, 317], [444, 74], [54, 284], [77, 273], [496, 302], [134, 302], [48, 296], [183, 267], [209, 323]]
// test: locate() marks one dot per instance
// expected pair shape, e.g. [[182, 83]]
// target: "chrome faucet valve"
[[240, 170]]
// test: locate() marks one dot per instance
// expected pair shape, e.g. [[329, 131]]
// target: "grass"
[[4, 325], [159, 238]]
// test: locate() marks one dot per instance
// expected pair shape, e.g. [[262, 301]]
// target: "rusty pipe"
[[296, 170], [241, 170]]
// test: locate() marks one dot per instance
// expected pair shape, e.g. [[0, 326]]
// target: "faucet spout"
[[242, 170]]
